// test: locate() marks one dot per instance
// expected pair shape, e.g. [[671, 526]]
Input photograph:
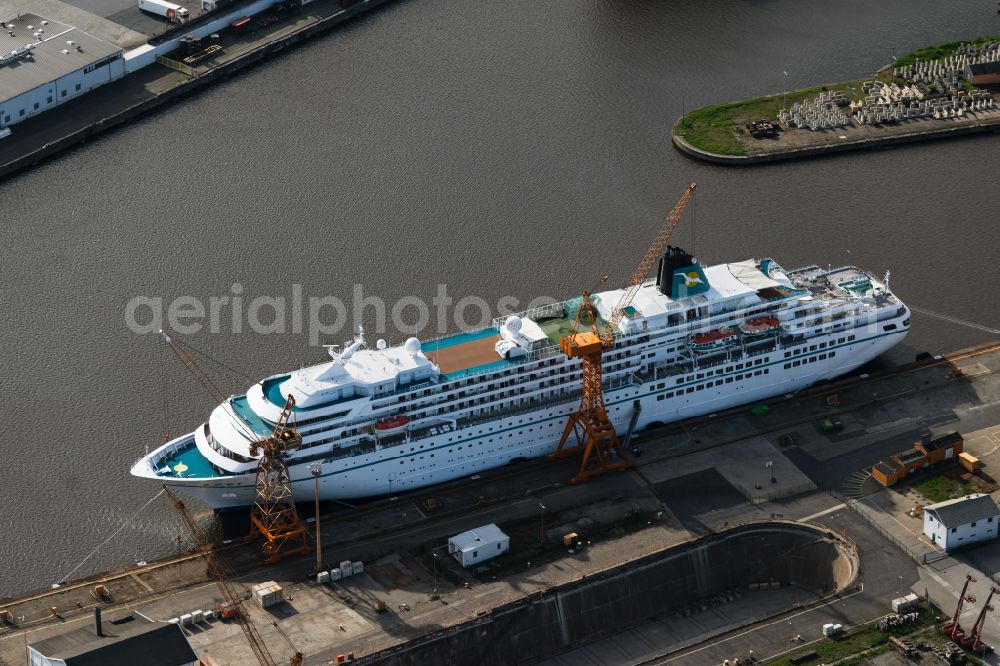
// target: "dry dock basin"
[[796, 563]]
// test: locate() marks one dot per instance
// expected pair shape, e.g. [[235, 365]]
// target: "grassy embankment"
[[719, 128], [861, 646]]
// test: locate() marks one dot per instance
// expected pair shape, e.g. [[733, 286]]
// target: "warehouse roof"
[[51, 56], [985, 68], [964, 510], [123, 643], [942, 442]]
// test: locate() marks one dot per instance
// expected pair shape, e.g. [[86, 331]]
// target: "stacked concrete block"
[[823, 112], [267, 594], [945, 77]]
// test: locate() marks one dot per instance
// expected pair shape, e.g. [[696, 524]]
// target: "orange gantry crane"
[[589, 427], [273, 515], [232, 606]]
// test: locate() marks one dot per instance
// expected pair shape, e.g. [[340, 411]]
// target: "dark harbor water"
[[509, 149]]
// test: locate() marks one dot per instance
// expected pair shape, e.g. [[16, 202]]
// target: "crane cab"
[[581, 344]]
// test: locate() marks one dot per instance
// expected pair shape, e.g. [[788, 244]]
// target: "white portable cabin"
[[478, 545]]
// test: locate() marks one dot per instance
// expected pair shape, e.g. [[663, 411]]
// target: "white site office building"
[[961, 522], [45, 63], [478, 545]]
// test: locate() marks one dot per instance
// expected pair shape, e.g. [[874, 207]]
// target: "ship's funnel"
[[680, 275]]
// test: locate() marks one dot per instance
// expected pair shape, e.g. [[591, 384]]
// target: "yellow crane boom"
[[656, 249], [193, 368]]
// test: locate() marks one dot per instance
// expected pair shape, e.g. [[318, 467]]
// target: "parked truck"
[[172, 12]]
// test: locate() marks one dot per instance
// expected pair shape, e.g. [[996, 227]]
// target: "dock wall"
[[149, 53], [145, 55], [544, 625]]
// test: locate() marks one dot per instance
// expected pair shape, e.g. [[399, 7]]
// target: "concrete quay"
[[801, 143], [697, 480], [149, 88]]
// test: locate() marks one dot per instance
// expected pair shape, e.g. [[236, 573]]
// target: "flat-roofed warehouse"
[[44, 63]]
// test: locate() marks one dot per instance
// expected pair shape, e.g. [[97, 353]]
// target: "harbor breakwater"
[[904, 136]]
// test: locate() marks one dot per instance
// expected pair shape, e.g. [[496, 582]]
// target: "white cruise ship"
[[382, 420]]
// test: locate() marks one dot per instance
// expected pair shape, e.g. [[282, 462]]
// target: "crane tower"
[[589, 427]]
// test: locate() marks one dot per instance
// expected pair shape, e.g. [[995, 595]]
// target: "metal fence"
[[922, 556], [179, 66]]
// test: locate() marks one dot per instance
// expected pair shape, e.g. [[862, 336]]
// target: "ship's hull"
[[494, 443]]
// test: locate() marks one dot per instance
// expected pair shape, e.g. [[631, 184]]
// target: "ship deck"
[[464, 355], [186, 462], [557, 327]]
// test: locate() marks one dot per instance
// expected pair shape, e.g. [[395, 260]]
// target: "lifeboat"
[[390, 425], [711, 340], [759, 325]]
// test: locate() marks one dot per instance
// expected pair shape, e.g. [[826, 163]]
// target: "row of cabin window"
[[731, 368], [811, 359], [821, 345], [717, 382], [506, 378]]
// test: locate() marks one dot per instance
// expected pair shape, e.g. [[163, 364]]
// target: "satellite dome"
[[513, 324], [380, 344], [412, 346]]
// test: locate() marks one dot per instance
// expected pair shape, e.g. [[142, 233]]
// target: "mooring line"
[[105, 542], [955, 320]]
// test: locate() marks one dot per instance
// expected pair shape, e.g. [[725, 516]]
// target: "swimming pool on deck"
[[186, 462]]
